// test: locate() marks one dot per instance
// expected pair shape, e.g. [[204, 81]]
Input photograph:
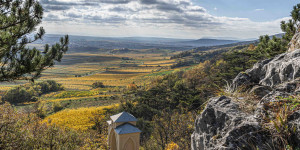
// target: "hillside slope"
[[271, 87]]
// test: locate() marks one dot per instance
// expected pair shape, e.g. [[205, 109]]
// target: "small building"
[[123, 133]]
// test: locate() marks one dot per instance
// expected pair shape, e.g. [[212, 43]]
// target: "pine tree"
[[18, 27], [271, 47], [292, 25]]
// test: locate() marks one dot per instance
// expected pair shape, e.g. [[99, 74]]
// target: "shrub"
[[172, 146], [276, 121], [50, 86], [18, 95], [132, 87], [40, 110], [30, 92], [25, 131], [57, 107], [98, 85]]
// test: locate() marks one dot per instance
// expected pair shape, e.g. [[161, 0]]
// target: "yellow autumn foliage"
[[75, 98], [172, 146], [79, 119]]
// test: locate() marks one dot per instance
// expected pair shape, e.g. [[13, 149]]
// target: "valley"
[[149, 75], [116, 69]]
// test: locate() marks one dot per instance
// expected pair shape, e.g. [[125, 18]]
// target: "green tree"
[[18, 95], [29, 92], [171, 127], [49, 86], [292, 25], [18, 22], [270, 47]]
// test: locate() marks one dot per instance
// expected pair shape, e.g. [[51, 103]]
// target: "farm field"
[[80, 118], [78, 71], [79, 101]]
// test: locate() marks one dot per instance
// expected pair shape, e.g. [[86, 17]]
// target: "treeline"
[[30, 92], [181, 55], [198, 57]]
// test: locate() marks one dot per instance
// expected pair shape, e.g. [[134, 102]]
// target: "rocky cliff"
[[225, 125]]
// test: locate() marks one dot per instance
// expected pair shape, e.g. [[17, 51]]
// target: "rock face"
[[295, 42], [271, 72], [222, 125], [274, 77]]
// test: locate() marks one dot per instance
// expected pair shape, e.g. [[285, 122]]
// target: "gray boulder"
[[260, 91], [284, 67], [222, 126]]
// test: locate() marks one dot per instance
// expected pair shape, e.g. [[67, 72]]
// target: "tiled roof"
[[123, 117], [126, 129]]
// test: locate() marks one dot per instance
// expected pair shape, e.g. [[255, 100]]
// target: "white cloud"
[[260, 9], [161, 18]]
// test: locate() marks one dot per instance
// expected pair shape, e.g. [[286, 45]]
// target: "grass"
[[74, 98], [277, 121], [161, 73], [78, 119], [69, 94]]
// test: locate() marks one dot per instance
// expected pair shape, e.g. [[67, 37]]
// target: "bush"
[[50, 86], [25, 131], [30, 92], [18, 95], [132, 87], [40, 110], [98, 85], [57, 107]]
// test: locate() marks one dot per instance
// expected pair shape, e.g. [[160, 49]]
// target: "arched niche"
[[130, 145]]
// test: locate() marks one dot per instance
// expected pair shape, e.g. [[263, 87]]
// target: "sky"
[[188, 19]]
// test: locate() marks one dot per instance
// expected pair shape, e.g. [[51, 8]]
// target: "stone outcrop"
[[295, 42], [271, 72], [222, 125]]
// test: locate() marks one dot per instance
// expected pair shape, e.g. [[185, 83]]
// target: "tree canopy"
[[19, 20]]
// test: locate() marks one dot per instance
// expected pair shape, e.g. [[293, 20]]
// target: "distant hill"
[[206, 48], [208, 42], [238, 43], [88, 44], [79, 44], [109, 44], [279, 35]]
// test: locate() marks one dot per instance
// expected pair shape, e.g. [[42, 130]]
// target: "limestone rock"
[[222, 126], [284, 67], [295, 42], [260, 91]]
